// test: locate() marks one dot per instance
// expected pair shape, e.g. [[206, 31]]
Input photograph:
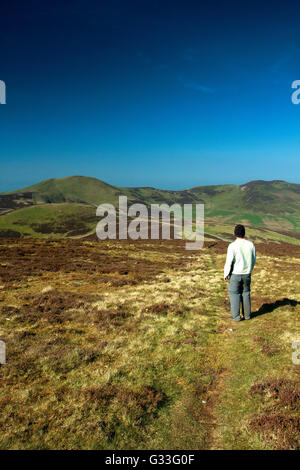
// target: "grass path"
[[257, 354]]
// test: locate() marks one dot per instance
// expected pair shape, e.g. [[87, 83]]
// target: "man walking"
[[239, 264]]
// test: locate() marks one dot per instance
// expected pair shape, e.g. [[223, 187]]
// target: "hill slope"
[[265, 204], [71, 189], [49, 220]]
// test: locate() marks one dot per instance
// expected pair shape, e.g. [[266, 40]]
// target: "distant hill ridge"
[[93, 191], [267, 204]]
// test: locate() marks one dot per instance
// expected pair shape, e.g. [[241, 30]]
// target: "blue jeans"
[[239, 293]]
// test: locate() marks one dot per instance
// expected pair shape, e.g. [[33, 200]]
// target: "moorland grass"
[[103, 357]]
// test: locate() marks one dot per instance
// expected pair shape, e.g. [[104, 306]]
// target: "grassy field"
[[256, 234], [128, 345], [49, 221], [64, 220]]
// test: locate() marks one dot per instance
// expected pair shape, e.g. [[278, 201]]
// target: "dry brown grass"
[[127, 345]]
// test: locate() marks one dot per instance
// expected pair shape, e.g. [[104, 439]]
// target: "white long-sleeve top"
[[241, 257]]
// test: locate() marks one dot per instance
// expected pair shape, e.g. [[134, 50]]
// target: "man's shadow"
[[268, 308]]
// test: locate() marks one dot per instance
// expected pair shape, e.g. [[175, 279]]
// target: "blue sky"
[[171, 94]]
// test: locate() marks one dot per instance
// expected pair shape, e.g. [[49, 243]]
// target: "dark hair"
[[239, 231]]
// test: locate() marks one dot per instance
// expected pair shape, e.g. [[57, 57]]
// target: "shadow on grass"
[[268, 308]]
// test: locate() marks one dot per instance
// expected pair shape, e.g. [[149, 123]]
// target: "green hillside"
[[273, 205], [49, 221], [71, 189]]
